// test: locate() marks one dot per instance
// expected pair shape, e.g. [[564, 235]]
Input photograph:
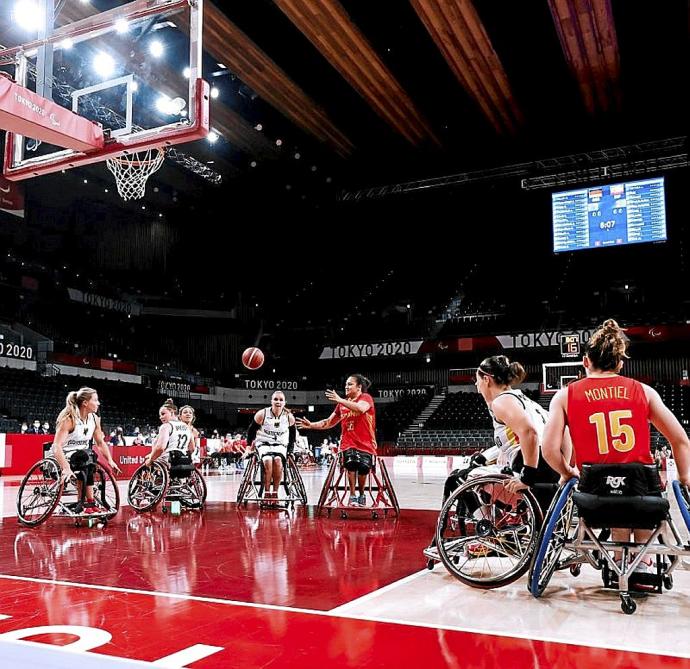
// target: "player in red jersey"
[[608, 417], [358, 442]]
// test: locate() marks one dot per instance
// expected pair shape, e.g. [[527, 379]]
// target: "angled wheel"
[[486, 535], [552, 538], [199, 484], [147, 487], [323, 497], [105, 491], [194, 494], [39, 492], [682, 495], [389, 485], [247, 479], [296, 481]]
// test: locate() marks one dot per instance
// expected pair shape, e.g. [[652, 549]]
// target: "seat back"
[[180, 465], [621, 495]]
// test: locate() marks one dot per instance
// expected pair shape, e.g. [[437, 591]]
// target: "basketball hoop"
[[131, 171]]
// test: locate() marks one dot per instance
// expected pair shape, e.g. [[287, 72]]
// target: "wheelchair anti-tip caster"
[[628, 606], [430, 564], [575, 569], [668, 582], [174, 508], [343, 515], [374, 515]]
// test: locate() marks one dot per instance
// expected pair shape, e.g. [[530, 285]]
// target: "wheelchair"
[[252, 486], [485, 535], [42, 494], [178, 482], [379, 491], [612, 496]]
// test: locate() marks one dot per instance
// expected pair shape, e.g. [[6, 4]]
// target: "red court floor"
[[247, 588]]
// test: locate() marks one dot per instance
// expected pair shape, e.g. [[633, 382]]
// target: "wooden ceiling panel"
[[459, 35], [587, 33], [327, 25]]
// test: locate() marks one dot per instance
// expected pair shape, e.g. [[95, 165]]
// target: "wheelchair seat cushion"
[[358, 461], [621, 495]]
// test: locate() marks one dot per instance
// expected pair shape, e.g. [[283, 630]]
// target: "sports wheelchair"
[[486, 535], [379, 491], [178, 482], [42, 494], [252, 486], [612, 496]]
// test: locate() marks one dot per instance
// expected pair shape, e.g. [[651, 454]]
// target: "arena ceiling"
[[349, 93]]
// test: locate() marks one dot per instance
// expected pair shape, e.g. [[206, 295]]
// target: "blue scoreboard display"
[[627, 213]]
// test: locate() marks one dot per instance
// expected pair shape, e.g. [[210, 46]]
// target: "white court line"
[[342, 609], [330, 614]]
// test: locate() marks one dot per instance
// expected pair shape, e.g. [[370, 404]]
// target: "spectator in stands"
[[78, 429], [45, 428], [227, 453], [151, 438], [24, 429], [358, 441], [608, 417], [138, 440], [117, 437], [35, 428]]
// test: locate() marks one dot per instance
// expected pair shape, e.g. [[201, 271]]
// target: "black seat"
[[180, 465], [621, 495]]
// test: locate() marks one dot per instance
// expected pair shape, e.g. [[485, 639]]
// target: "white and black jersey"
[[181, 436], [81, 437], [275, 430], [505, 439]]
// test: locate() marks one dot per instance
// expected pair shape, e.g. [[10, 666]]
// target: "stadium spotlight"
[[103, 64], [27, 15], [156, 48]]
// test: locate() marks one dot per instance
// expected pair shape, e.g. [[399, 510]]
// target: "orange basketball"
[[253, 358]]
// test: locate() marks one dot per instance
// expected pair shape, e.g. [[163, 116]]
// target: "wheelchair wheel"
[[323, 497], [683, 498], [296, 481], [147, 487], [196, 492], [389, 486], [486, 535], [552, 538], [105, 491], [247, 479], [39, 492]]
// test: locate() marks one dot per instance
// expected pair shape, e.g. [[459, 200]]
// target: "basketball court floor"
[[236, 587]]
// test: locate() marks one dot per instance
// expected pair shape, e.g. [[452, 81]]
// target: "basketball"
[[253, 358]]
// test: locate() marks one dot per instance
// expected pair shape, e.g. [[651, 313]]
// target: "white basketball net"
[[131, 171]]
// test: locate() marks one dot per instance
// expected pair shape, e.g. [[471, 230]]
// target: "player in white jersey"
[[78, 428], [173, 435], [188, 417], [273, 432], [518, 424]]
